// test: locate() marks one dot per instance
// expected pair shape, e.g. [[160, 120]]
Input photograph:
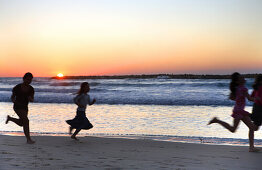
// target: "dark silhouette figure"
[[239, 93], [80, 121], [22, 94], [256, 115]]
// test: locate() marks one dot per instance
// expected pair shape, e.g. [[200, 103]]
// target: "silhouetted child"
[[256, 115], [239, 93], [22, 94], [80, 121]]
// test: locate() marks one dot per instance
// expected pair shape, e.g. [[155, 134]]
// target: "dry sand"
[[56, 152]]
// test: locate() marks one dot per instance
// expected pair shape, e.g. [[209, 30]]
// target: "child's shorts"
[[240, 114], [256, 115]]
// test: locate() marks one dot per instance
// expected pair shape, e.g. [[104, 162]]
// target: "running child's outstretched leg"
[[16, 121], [226, 125]]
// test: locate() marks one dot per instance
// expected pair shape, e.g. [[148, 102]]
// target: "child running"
[[80, 121], [239, 93], [256, 115], [22, 94]]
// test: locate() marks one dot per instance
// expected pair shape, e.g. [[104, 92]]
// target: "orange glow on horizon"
[[118, 38]]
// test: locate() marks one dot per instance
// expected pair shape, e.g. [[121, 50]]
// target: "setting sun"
[[60, 75]]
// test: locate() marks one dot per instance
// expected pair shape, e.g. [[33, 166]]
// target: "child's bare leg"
[[251, 141], [70, 130], [214, 120], [25, 122], [251, 127], [75, 133], [27, 131], [16, 121], [226, 125], [249, 123], [7, 119]]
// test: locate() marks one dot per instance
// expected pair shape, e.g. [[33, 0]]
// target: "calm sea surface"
[[159, 109]]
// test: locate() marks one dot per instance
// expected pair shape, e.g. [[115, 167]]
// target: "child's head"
[[28, 78], [258, 82], [84, 88], [235, 76], [236, 80]]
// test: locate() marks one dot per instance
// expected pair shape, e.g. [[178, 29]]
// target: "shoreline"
[[161, 138], [56, 152]]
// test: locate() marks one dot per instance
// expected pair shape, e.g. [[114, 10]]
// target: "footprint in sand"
[[8, 159], [6, 152], [15, 165]]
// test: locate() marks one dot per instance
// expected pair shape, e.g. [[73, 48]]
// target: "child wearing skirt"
[[80, 121]]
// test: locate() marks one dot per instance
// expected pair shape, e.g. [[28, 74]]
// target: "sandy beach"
[[59, 152]]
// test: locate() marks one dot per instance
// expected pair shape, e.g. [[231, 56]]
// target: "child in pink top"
[[240, 98], [239, 93]]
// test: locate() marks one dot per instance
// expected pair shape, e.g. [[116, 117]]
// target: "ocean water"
[[159, 109]]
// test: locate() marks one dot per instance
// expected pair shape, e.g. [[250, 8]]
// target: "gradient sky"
[[112, 37]]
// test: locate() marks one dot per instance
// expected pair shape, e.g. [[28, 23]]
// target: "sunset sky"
[[113, 37]]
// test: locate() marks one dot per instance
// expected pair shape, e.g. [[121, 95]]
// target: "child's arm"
[[13, 97], [94, 100], [260, 95], [31, 97], [249, 97], [77, 102]]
